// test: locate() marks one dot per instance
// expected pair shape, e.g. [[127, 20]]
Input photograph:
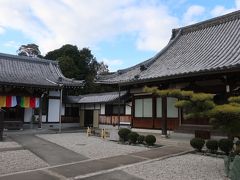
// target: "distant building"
[[101, 110]]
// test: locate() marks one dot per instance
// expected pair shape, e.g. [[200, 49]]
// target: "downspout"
[[60, 108], [40, 109], [119, 101]]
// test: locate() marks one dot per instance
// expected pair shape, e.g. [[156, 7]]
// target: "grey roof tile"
[[207, 46], [25, 71], [101, 97], [95, 98]]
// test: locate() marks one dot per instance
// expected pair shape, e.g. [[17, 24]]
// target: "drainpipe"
[[40, 112], [119, 101], [40, 109], [60, 108]]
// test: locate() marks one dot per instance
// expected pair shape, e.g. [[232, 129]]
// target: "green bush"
[[234, 172], [225, 145], [212, 145], [140, 139], [150, 140], [226, 118], [197, 143], [123, 134], [132, 137], [237, 149]]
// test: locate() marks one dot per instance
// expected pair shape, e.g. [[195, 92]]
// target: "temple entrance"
[[13, 117], [88, 118]]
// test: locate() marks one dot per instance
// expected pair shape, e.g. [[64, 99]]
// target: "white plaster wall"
[[44, 118], [63, 110], [102, 110], [53, 110], [28, 112], [128, 108], [54, 93]]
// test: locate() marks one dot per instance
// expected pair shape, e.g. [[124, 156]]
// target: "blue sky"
[[120, 33]]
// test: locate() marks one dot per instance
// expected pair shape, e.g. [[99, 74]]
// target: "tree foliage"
[[30, 50], [195, 105], [227, 117], [78, 64]]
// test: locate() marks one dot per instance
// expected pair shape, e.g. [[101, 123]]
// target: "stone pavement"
[[51, 153], [116, 175], [105, 168]]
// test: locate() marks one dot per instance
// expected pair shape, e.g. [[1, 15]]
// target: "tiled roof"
[[35, 72], [95, 98], [207, 47]]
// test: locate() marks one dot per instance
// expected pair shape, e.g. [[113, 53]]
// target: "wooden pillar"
[[40, 113], [153, 111], [1, 124], [132, 111], [164, 116]]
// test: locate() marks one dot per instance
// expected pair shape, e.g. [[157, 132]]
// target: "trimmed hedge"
[[150, 140], [123, 134], [140, 139], [225, 145], [212, 145], [197, 143], [132, 137], [237, 150]]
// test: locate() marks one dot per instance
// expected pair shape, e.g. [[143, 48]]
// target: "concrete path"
[[115, 175], [105, 168], [51, 153]]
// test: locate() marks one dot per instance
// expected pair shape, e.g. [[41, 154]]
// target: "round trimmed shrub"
[[140, 139], [150, 140], [225, 145], [132, 137], [212, 145], [237, 150], [197, 143], [123, 134]]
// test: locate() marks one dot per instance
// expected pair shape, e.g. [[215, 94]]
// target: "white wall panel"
[[28, 112], [53, 110]]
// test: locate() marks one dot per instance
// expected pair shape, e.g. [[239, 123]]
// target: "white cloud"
[[192, 13], [153, 25], [2, 30], [113, 64], [221, 10], [51, 24], [12, 44], [237, 3]]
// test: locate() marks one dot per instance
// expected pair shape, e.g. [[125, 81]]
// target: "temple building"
[[203, 57], [100, 110], [31, 90]]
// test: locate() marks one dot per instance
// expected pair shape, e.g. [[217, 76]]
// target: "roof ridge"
[[105, 93], [211, 22], [26, 58]]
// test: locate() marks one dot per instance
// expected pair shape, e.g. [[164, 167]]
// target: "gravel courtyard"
[[20, 160], [13, 158], [185, 167], [91, 147], [9, 144]]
